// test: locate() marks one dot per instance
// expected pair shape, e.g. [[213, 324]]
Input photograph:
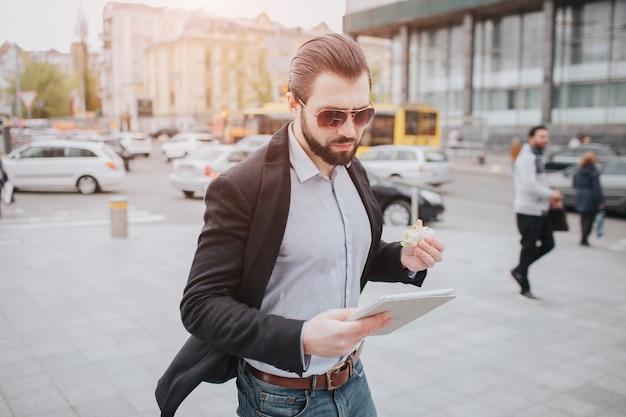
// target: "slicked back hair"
[[331, 53]]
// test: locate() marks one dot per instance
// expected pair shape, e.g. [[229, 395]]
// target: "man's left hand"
[[425, 255]]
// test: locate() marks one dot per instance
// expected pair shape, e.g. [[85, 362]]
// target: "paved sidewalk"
[[88, 323]]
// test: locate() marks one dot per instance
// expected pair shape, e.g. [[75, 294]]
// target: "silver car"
[[194, 173], [612, 179], [409, 163]]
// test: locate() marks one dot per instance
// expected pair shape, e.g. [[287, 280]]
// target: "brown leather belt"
[[330, 380]]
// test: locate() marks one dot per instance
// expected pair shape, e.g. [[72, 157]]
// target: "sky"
[[39, 25]]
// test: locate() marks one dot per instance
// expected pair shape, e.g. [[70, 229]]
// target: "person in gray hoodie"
[[533, 199]]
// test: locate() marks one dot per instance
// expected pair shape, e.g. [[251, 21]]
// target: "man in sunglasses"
[[291, 236]]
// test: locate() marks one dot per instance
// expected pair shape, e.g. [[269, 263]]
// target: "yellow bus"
[[407, 124], [262, 120]]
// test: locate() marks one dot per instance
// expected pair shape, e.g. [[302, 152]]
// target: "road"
[[476, 201]]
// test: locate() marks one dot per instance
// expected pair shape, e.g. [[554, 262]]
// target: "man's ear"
[[292, 102]]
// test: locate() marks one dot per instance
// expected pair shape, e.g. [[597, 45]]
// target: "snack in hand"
[[416, 234]]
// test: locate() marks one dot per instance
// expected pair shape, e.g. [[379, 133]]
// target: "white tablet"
[[405, 308]]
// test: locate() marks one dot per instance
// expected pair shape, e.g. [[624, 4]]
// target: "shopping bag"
[[7, 193], [558, 219], [598, 222]]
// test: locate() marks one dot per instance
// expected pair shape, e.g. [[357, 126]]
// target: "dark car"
[[612, 178], [167, 131], [394, 199], [568, 156]]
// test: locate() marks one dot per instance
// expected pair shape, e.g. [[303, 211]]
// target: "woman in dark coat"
[[589, 198]]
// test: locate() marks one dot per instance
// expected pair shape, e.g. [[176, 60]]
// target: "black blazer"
[[244, 222]]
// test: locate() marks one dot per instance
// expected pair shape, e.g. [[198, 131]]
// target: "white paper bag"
[[7, 193]]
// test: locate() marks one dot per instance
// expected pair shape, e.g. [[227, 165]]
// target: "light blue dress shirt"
[[323, 252]]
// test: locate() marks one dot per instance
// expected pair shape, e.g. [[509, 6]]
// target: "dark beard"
[[324, 151]]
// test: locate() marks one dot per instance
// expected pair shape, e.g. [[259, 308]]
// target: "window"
[[585, 95], [616, 168], [497, 100], [530, 98], [380, 131], [78, 153], [435, 156], [618, 94], [412, 122], [405, 156], [505, 43], [532, 40], [589, 32]]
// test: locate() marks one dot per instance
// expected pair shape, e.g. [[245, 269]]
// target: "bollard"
[[119, 219], [415, 204]]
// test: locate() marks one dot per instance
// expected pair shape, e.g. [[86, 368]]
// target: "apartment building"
[[170, 67], [509, 64]]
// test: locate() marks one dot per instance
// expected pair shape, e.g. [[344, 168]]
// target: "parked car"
[[409, 163], [254, 141], [137, 143], [113, 142], [194, 173], [395, 198], [116, 144], [85, 166], [565, 157], [612, 179], [183, 144]]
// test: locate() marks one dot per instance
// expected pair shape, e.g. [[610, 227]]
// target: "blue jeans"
[[260, 399]]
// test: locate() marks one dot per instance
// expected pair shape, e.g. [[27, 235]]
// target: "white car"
[[194, 173], [408, 163], [136, 143], [64, 165], [183, 144]]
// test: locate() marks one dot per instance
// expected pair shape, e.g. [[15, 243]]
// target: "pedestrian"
[[516, 147], [574, 142], [533, 198], [291, 235], [588, 194], [586, 140]]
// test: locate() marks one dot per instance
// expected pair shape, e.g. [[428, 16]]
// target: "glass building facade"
[[510, 64]]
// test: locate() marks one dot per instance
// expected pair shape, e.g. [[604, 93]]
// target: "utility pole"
[[18, 101], [81, 30]]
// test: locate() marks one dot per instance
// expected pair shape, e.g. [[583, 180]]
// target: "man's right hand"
[[331, 334]]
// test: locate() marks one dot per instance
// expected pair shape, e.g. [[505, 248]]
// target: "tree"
[[92, 101], [52, 89]]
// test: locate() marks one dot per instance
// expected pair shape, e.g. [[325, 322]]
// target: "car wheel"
[[164, 157], [397, 213], [87, 185], [188, 194]]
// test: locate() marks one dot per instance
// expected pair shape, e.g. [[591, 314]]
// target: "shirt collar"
[[300, 161]]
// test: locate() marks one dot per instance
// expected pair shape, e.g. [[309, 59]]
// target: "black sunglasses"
[[335, 118]]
